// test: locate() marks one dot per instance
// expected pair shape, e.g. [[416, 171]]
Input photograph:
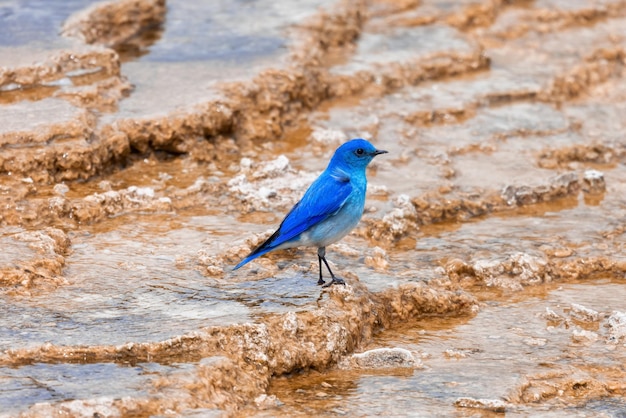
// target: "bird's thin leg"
[[320, 281], [321, 253]]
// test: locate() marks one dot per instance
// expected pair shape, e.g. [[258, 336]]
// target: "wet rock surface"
[[147, 146], [33, 260]]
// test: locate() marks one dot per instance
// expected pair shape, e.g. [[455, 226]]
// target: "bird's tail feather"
[[264, 248], [251, 257]]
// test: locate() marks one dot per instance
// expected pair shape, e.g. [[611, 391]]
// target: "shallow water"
[[484, 357], [137, 170]]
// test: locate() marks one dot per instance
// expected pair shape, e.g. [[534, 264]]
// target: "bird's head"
[[356, 153]]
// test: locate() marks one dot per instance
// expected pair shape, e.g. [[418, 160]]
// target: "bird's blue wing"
[[325, 197]]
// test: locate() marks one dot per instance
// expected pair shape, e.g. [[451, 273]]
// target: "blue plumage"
[[331, 207]]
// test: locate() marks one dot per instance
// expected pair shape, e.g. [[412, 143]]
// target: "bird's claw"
[[335, 280], [320, 282]]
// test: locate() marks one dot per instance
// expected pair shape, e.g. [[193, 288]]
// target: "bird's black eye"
[[359, 151]]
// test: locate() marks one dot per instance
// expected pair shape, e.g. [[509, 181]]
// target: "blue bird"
[[331, 207]]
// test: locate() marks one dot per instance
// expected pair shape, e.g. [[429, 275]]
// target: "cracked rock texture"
[[147, 146]]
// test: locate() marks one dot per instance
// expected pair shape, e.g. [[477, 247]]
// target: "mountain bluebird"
[[330, 208]]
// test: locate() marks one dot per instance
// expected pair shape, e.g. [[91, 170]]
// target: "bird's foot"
[[320, 282], [335, 280]]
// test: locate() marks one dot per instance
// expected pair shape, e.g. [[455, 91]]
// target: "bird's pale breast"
[[336, 226]]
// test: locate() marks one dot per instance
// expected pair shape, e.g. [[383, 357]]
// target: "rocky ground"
[[146, 147]]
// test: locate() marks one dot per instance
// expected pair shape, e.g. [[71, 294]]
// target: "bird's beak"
[[379, 151]]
